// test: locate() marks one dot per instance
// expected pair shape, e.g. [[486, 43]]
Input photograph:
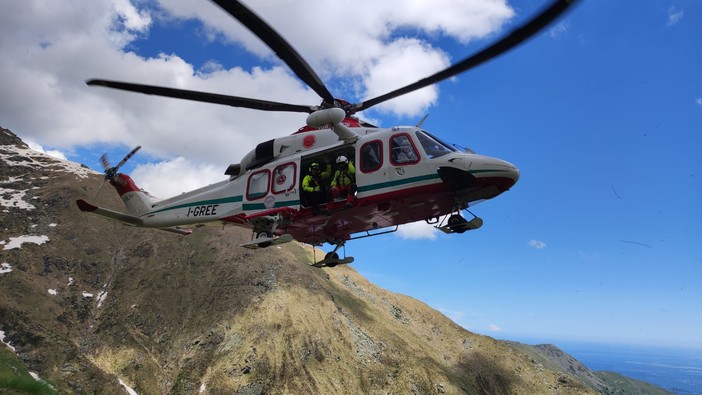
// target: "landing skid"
[[331, 262], [332, 258], [474, 223], [265, 241], [458, 224]]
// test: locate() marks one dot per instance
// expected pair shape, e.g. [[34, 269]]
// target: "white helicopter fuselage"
[[435, 180]]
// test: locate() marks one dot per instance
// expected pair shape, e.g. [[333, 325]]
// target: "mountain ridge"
[[91, 305]]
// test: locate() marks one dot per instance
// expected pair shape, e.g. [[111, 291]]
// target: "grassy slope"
[[15, 379]]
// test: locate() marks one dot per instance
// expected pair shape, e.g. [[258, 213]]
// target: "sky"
[[602, 112]]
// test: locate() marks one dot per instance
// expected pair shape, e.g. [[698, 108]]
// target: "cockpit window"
[[433, 146]]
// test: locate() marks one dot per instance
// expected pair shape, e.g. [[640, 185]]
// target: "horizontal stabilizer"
[[178, 230]]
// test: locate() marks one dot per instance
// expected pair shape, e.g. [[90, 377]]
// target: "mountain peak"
[[9, 138], [16, 154]]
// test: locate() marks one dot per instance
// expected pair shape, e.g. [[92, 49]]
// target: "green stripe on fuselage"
[[395, 183], [261, 206], [231, 199], [410, 180]]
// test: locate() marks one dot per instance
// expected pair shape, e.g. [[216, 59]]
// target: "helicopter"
[[286, 188]]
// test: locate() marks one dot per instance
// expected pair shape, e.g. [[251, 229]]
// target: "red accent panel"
[[308, 141], [124, 184], [85, 206]]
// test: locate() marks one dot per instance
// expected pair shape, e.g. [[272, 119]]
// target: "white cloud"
[[537, 244], [494, 328], [674, 16], [559, 29], [170, 178], [397, 67], [699, 101], [53, 153], [417, 230], [133, 19]]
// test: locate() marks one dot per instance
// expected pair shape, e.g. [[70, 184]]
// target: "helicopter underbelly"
[[386, 209]]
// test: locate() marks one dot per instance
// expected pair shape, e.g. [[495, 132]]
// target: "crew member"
[[313, 191], [344, 182]]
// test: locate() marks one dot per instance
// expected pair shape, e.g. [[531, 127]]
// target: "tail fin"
[[136, 200]]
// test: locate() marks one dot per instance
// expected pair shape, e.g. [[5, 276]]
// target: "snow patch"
[[70, 282], [202, 388], [16, 242], [87, 294], [2, 340], [52, 225], [5, 268], [12, 198], [101, 298], [52, 291], [130, 391], [35, 376], [11, 180]]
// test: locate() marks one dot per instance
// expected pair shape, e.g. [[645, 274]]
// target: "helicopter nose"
[[503, 174], [510, 169]]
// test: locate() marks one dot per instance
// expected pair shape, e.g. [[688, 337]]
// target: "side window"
[[371, 156], [258, 185], [284, 178], [402, 150]]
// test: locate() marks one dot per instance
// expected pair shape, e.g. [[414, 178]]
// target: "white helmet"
[[342, 159]]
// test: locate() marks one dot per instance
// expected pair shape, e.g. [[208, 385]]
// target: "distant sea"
[[675, 369]]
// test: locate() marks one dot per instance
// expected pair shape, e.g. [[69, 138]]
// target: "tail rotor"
[[111, 171]]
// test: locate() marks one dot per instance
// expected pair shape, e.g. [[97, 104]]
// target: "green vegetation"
[[15, 378]]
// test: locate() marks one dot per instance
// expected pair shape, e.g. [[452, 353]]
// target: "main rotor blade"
[[129, 155], [516, 37], [215, 98], [278, 44]]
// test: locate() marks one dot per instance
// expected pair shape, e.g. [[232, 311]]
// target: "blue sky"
[[602, 113]]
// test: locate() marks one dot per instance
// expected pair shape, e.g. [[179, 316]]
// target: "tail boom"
[[125, 218]]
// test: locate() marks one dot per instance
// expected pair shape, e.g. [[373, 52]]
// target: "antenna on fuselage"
[[419, 124]]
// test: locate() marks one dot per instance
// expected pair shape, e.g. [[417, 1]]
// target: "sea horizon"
[[674, 368]]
